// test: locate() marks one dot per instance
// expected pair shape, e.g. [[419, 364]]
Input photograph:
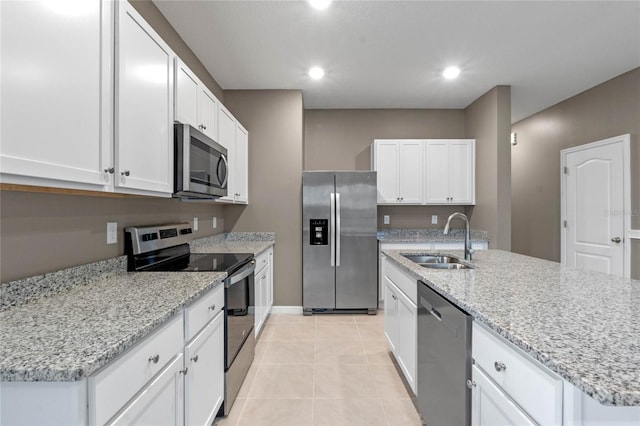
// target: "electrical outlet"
[[195, 223], [112, 232], [215, 222], [386, 219], [434, 219]]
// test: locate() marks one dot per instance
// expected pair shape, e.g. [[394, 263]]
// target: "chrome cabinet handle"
[[110, 170], [471, 384], [125, 173], [155, 358], [616, 239], [195, 358], [394, 296], [186, 369], [499, 366], [213, 308]]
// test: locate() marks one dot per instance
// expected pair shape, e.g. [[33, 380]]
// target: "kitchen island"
[[580, 325]]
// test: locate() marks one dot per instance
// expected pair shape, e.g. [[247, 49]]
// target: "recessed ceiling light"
[[316, 73], [320, 4], [451, 72]]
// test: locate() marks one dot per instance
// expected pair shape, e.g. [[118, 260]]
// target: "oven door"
[[240, 317], [201, 168]]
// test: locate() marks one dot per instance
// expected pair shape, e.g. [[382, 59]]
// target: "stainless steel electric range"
[[166, 248]]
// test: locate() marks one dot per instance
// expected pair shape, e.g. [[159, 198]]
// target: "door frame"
[[625, 141]]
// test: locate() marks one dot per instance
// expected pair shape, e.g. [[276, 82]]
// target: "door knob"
[[616, 239]]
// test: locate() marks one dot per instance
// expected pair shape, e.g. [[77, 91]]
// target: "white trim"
[[291, 310], [634, 234], [625, 140]]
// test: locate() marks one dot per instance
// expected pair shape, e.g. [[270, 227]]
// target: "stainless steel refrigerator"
[[339, 243]]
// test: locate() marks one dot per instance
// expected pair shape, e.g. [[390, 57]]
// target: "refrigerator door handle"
[[332, 223], [337, 229]]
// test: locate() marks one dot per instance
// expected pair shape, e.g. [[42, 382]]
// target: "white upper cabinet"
[[425, 171], [399, 167], [144, 106], [56, 93], [450, 171], [233, 136], [195, 104]]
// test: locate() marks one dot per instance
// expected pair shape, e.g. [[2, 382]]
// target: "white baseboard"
[[290, 310]]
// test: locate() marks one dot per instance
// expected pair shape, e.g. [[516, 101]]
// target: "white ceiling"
[[390, 54]]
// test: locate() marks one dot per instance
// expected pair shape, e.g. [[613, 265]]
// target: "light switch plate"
[[112, 232], [195, 223], [215, 222], [386, 219], [434, 219]]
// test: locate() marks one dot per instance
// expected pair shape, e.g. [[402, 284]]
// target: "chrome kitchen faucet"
[[468, 251]]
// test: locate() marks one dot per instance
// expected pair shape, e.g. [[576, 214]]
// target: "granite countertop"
[[580, 324], [435, 235], [65, 325]]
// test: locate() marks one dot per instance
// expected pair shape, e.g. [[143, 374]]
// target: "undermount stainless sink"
[[437, 261]]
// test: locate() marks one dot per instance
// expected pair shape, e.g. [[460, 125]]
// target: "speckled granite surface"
[[237, 242], [406, 235], [582, 325], [65, 325]]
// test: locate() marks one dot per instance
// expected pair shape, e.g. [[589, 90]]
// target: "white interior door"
[[594, 201]]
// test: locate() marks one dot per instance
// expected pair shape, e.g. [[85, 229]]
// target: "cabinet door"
[[490, 406], [437, 172], [144, 106], [259, 279], [227, 138], [204, 381], [241, 173], [158, 403], [387, 158], [270, 283], [186, 98], [407, 338], [207, 112], [462, 172], [391, 315], [410, 173], [56, 92]]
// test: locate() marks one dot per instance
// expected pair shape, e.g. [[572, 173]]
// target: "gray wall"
[[488, 120], [46, 232], [609, 109], [274, 119], [341, 139]]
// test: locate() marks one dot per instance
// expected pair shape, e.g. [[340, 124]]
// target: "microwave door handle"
[[226, 166]]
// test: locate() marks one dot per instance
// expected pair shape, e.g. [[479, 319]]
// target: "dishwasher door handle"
[[433, 311]]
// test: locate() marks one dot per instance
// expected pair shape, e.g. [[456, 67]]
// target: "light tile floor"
[[333, 370]]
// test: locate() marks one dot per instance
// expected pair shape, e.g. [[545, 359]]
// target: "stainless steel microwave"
[[201, 167]]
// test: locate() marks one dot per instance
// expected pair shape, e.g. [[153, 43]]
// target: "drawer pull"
[[195, 358], [154, 358], [184, 371], [213, 308], [499, 366], [471, 384]]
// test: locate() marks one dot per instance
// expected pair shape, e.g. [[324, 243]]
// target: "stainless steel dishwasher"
[[444, 360]]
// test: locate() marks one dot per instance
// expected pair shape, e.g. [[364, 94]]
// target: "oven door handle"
[[241, 274]]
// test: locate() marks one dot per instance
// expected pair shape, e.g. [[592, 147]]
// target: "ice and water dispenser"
[[319, 229]]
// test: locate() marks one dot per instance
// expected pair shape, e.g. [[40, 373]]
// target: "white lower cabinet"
[[204, 378], [401, 320], [263, 289], [159, 402], [490, 405], [536, 392]]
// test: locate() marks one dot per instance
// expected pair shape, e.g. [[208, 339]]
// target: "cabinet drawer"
[[262, 261], [529, 385], [203, 311], [113, 386], [406, 283]]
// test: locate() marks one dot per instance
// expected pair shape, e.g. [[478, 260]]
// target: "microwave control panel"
[[319, 232]]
